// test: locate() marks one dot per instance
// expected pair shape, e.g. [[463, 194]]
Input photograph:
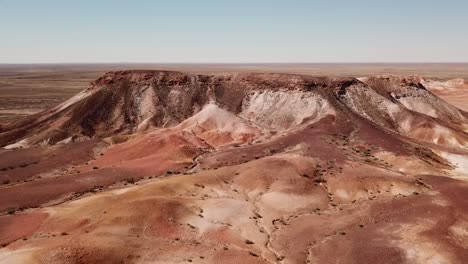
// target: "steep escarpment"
[[121, 103], [168, 167], [131, 101]]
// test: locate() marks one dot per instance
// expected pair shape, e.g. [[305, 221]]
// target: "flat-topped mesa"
[[267, 98], [125, 102], [255, 80], [227, 89]]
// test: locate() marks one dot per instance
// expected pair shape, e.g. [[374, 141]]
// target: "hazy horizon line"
[[221, 63]]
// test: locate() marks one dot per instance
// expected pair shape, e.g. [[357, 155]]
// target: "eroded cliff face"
[[168, 167], [131, 101]]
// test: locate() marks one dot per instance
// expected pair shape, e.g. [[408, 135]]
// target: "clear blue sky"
[[233, 31]]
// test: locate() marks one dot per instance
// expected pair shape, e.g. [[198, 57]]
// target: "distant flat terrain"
[[27, 89]]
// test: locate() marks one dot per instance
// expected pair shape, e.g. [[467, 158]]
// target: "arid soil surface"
[[145, 166]]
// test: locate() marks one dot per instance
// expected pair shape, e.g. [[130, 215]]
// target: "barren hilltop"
[[172, 167]]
